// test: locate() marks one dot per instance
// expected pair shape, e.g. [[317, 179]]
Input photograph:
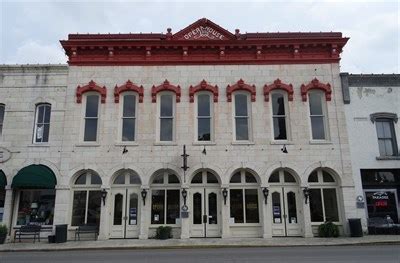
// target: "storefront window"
[[36, 206]]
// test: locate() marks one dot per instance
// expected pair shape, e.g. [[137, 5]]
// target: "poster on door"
[[133, 216]]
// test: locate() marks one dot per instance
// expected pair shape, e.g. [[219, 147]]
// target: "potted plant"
[[3, 233], [328, 229], [163, 232]]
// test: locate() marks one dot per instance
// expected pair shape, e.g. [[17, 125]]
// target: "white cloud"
[[32, 52]]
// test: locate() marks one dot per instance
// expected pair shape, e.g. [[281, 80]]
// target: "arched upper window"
[[323, 189], [204, 177], [42, 123], [165, 177], [204, 112], [166, 115], [242, 116], [91, 117], [243, 196], [86, 203], [2, 111], [318, 115], [280, 114], [125, 177], [128, 116], [282, 176]]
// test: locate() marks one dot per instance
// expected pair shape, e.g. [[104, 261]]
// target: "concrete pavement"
[[198, 243]]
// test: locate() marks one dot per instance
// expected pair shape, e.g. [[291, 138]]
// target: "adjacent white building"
[[100, 141]]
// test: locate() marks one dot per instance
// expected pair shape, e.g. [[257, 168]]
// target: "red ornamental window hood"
[[241, 85], [316, 84], [92, 86], [166, 86], [128, 86], [203, 86], [278, 84]]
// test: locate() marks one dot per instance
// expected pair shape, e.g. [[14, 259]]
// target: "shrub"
[[328, 229], [164, 232], [3, 230]]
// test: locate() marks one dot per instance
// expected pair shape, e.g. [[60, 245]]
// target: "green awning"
[[34, 177], [3, 180]]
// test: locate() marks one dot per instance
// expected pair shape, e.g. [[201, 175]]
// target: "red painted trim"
[[316, 84], [203, 86], [166, 86], [203, 23], [128, 86], [92, 86], [241, 85], [278, 84]]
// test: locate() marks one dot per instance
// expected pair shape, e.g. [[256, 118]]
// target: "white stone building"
[[265, 133], [372, 109]]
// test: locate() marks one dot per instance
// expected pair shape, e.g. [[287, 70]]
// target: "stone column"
[[185, 222], [61, 205], [145, 214], [226, 233], [307, 218], [8, 209], [266, 216], [104, 231]]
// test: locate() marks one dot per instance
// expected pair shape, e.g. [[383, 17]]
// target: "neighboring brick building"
[[127, 103], [372, 108]]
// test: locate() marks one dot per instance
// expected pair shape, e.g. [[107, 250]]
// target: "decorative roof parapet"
[[316, 84], [128, 86], [92, 86], [278, 84], [203, 86], [241, 85], [166, 86]]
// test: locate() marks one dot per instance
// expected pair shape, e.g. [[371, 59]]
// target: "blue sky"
[[30, 30]]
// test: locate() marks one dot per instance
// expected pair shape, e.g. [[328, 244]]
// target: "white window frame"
[[87, 187], [249, 118], [44, 104], [243, 186], [324, 115], [392, 139], [121, 117], [83, 118], [326, 185], [211, 117], [287, 117], [2, 105], [158, 121]]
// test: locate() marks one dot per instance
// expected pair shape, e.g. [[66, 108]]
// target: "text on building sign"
[[202, 31]]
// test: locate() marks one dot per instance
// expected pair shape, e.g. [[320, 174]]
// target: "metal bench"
[[86, 229], [28, 232]]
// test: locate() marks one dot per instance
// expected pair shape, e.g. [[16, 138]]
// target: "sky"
[[30, 30]]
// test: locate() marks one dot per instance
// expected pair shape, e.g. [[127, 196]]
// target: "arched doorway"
[[3, 183], [205, 205], [286, 204], [125, 206]]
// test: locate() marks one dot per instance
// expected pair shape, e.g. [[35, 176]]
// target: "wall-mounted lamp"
[[144, 194], [184, 195], [225, 194], [104, 195], [265, 191], [204, 151], [284, 150], [124, 150], [306, 193]]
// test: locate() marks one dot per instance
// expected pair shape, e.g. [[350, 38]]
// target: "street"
[[364, 254]]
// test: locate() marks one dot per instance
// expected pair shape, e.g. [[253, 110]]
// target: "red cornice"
[[201, 44], [128, 86], [166, 86], [203, 86], [316, 84], [92, 86], [278, 84], [241, 85]]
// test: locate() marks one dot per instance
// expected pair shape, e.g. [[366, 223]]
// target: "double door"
[[125, 217], [286, 211], [205, 212]]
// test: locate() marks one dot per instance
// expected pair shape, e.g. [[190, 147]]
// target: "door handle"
[[204, 218]]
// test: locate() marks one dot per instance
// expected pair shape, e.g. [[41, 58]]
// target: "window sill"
[[155, 226], [388, 158], [87, 145], [123, 144], [204, 143], [44, 145], [245, 224], [282, 142], [165, 144], [243, 143], [320, 142]]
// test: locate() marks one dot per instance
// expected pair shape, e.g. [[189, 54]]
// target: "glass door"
[[285, 212], [382, 204]]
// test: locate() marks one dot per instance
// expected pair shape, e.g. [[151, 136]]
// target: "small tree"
[[328, 229]]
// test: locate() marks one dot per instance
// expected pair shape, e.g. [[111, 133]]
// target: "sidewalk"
[[198, 243]]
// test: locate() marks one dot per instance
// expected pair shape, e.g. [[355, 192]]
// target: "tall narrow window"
[[386, 137], [2, 110], [204, 118], [242, 117], [42, 123], [91, 118], [279, 116], [129, 118], [318, 115], [166, 117]]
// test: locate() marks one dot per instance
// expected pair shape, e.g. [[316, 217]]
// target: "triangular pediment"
[[203, 29]]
